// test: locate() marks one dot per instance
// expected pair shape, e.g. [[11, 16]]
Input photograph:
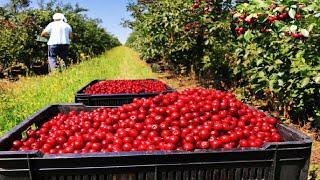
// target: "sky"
[[111, 12]]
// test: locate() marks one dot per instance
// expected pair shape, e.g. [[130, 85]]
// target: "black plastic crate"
[[111, 99], [287, 160]]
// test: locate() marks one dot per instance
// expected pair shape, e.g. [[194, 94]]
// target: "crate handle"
[[29, 167]]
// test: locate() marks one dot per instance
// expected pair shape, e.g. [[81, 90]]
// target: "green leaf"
[[259, 61], [305, 82], [294, 6], [280, 82], [249, 17], [284, 28], [308, 8], [317, 79], [310, 27], [236, 15], [271, 85], [261, 74], [248, 35], [278, 61], [292, 13], [270, 68], [276, 9], [253, 15], [278, 24], [206, 59], [280, 74], [293, 28], [305, 32], [236, 70]]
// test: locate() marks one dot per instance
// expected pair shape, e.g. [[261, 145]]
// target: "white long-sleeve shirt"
[[59, 32]]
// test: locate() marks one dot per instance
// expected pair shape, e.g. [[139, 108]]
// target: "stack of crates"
[[112, 99]]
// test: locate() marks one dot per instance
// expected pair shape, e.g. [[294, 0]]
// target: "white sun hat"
[[59, 16]]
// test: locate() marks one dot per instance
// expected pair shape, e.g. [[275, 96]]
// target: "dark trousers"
[[60, 50]]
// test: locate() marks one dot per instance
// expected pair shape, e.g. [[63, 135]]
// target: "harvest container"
[[111, 99], [287, 160]]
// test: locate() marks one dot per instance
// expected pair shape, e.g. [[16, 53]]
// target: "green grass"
[[21, 99]]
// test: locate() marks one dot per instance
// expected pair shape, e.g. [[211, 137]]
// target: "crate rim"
[[37, 154]]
